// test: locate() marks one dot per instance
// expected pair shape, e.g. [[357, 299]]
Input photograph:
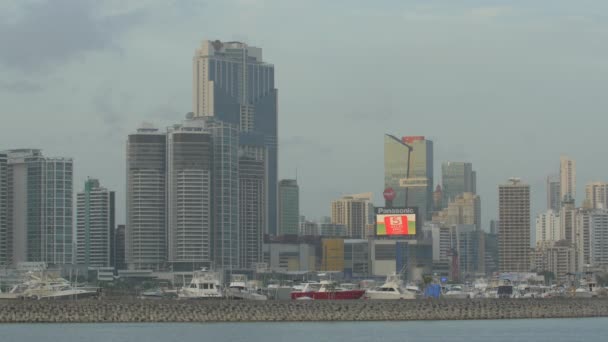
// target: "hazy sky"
[[506, 85]]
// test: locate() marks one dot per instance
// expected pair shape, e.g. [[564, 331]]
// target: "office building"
[[232, 83], [352, 212], [557, 257], [567, 176], [470, 247], [514, 231], [548, 227], [598, 238], [356, 258], [5, 232], [146, 228], [554, 199], [95, 225], [289, 207], [309, 228], [438, 198], [596, 195], [457, 178], [333, 230], [408, 170], [251, 210], [189, 188]]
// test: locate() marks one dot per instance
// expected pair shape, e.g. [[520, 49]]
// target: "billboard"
[[397, 222]]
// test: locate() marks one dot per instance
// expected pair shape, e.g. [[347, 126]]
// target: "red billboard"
[[396, 221]]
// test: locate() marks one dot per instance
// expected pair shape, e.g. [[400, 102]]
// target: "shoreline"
[[173, 311]]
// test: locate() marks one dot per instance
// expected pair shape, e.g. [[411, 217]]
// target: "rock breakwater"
[[100, 311]]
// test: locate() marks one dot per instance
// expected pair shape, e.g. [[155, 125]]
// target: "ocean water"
[[554, 330]]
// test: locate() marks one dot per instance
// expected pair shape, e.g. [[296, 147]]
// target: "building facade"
[[95, 224], [567, 176], [465, 208], [514, 222], [548, 227], [232, 83], [251, 210], [146, 228], [5, 232], [596, 195], [352, 212], [289, 207], [457, 178], [554, 199], [189, 188]]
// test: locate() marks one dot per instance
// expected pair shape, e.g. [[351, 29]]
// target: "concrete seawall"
[[83, 311]]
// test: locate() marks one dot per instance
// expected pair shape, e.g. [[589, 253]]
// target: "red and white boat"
[[326, 290]]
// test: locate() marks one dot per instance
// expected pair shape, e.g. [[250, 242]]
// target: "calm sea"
[[554, 330]]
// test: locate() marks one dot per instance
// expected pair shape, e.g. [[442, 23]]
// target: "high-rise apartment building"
[[251, 210], [352, 213], [408, 169], [514, 231], [40, 207], [146, 228], [5, 232], [457, 178], [598, 238], [232, 83], [94, 225], [567, 176], [596, 195], [554, 199], [548, 227], [189, 188], [289, 207]]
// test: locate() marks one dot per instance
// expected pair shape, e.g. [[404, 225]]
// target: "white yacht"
[[45, 287], [457, 292], [204, 285], [240, 288], [392, 289]]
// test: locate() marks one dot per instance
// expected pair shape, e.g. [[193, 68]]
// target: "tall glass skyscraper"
[[251, 210], [5, 250], [457, 178], [417, 189], [232, 83]]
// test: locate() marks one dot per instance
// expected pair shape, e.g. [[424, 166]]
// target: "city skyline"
[[115, 102]]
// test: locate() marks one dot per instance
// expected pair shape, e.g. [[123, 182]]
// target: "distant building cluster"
[[205, 193]]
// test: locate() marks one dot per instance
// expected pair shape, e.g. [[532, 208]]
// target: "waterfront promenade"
[[87, 311]]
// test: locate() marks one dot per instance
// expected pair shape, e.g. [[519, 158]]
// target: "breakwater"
[[100, 311]]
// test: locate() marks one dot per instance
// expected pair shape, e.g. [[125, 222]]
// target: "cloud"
[[50, 33], [111, 107], [21, 86], [299, 142]]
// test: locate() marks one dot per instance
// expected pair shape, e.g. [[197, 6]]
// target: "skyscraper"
[[457, 178], [40, 199], [146, 229], [514, 231], [118, 250], [464, 209], [596, 195], [232, 83], [225, 196], [554, 199], [567, 175], [350, 212], [94, 225], [548, 227], [289, 207], [408, 169], [189, 185], [5, 241], [251, 210]]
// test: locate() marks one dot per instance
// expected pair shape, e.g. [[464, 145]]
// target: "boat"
[[457, 292], [391, 289], [240, 288], [46, 287], [326, 290], [205, 284]]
